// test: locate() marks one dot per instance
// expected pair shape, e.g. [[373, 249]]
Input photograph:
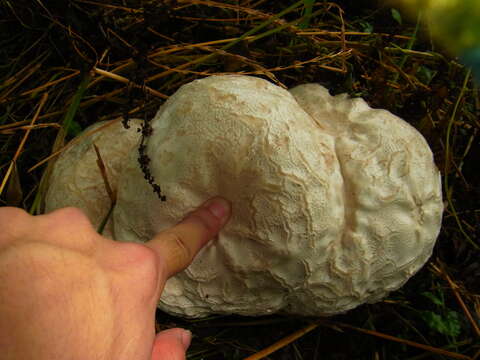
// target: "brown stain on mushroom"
[[180, 132], [167, 157]]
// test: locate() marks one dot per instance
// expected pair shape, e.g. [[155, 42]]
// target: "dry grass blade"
[[109, 6], [350, 33], [23, 75], [85, 103], [103, 172], [440, 269], [14, 125], [12, 129], [477, 355], [241, 59], [124, 80], [19, 82], [74, 141], [424, 347], [14, 192], [51, 83], [448, 157], [230, 44], [282, 343], [111, 193], [43, 100]]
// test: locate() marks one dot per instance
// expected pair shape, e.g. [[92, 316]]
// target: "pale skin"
[[67, 292]]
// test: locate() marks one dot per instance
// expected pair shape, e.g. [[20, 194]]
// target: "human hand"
[[67, 292]]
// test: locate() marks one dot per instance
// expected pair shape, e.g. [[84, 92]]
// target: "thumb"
[[171, 344]]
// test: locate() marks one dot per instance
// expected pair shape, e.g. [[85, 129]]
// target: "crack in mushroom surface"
[[335, 204]]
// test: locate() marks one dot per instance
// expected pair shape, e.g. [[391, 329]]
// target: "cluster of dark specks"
[[143, 158], [136, 89]]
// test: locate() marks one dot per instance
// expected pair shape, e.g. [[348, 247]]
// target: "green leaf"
[[448, 324], [435, 299], [454, 323], [425, 74], [69, 124], [74, 129], [366, 26], [307, 13], [396, 15]]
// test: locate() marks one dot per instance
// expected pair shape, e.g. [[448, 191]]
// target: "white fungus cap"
[[334, 204]]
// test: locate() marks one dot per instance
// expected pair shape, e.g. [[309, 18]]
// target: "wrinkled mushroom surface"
[[76, 179], [335, 204]]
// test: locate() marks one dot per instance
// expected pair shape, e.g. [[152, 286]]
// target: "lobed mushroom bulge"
[[76, 179], [334, 203]]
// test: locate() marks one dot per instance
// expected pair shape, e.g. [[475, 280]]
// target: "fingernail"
[[186, 338], [219, 207]]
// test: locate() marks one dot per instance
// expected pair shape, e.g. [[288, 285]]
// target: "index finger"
[[177, 246]]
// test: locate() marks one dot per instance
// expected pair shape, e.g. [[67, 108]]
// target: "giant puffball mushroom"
[[335, 204], [77, 180]]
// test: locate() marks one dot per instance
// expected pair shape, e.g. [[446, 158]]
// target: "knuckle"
[[71, 228], [12, 212], [71, 215], [12, 223], [139, 254], [142, 262], [11, 215], [149, 267]]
